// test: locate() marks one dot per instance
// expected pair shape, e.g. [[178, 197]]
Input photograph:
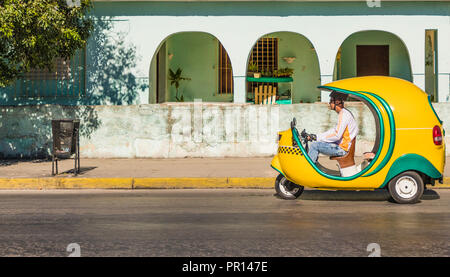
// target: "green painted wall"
[[306, 66], [399, 64], [196, 54]]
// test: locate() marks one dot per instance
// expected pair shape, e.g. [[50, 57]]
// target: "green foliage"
[[252, 67], [284, 72], [267, 73], [175, 78], [286, 93], [34, 32]]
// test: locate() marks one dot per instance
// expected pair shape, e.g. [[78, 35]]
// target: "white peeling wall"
[[176, 130]]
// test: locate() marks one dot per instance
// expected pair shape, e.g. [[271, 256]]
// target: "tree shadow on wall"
[[26, 131], [111, 61], [25, 127]]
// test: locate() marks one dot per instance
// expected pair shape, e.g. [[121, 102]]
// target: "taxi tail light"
[[437, 135]]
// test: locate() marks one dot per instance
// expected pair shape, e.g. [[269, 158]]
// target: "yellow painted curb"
[[445, 185], [167, 183], [96, 183], [252, 182], [146, 183], [19, 183], [133, 183], [66, 183]]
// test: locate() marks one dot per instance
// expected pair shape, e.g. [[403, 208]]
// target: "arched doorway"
[[372, 53], [274, 56], [203, 65]]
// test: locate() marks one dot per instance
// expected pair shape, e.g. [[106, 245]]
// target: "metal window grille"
[[68, 80], [225, 72], [265, 55]]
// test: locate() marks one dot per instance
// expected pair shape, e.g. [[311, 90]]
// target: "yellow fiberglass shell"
[[406, 139], [412, 111]]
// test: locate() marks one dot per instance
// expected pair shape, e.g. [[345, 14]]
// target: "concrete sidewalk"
[[149, 173]]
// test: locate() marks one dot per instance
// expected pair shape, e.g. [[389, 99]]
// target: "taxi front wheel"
[[286, 189], [406, 188]]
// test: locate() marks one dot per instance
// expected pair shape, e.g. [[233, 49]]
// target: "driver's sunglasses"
[[334, 101]]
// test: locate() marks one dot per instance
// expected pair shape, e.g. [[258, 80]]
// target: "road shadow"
[[376, 195]]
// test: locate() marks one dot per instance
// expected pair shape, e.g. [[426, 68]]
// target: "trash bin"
[[65, 142]]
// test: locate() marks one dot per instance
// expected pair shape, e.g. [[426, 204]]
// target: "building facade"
[[137, 47]]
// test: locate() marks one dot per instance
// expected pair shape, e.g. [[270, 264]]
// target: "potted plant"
[[253, 70], [276, 73], [289, 71], [286, 94], [267, 73], [175, 78], [285, 72]]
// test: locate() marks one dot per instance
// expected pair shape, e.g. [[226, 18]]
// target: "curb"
[[147, 183], [133, 183]]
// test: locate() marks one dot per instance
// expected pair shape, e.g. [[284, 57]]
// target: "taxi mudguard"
[[275, 164], [411, 162]]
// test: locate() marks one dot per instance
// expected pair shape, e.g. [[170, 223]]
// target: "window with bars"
[[265, 55], [225, 72], [66, 81], [62, 71]]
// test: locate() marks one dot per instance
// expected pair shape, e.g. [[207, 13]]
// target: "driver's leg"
[[313, 151], [329, 149]]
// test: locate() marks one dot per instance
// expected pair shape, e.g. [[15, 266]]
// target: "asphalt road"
[[233, 222]]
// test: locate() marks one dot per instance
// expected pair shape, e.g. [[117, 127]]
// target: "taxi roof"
[[407, 101], [391, 89]]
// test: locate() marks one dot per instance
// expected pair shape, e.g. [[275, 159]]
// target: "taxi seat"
[[348, 159]]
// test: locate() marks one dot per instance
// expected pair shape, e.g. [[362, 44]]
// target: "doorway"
[[372, 60]]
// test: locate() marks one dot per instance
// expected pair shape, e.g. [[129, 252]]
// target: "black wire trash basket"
[[66, 143]]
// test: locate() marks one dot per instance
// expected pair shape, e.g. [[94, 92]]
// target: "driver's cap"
[[338, 95]]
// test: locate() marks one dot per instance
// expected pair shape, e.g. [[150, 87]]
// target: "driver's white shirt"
[[344, 132]]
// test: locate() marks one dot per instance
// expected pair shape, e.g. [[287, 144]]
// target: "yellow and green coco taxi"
[[408, 153]]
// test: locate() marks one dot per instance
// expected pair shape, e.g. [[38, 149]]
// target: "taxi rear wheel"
[[286, 189], [406, 188]]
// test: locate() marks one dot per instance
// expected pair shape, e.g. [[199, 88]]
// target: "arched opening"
[[368, 53], [189, 66], [352, 135], [366, 143], [286, 64]]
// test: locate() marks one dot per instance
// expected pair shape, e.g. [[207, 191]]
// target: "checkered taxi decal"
[[289, 150]]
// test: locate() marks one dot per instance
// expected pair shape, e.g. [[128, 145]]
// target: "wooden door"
[[372, 60]]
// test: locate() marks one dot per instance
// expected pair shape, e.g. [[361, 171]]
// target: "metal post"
[[78, 150]]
